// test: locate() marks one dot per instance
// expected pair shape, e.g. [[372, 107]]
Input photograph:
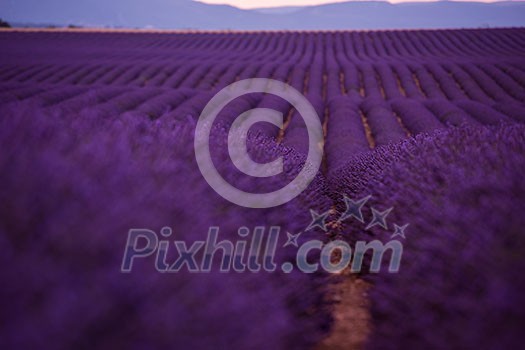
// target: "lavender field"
[[96, 137]]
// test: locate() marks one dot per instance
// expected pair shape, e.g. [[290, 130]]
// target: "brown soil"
[[351, 315]]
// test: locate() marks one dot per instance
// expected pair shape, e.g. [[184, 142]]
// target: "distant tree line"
[[4, 24]]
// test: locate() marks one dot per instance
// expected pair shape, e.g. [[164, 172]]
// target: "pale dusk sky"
[[247, 4]]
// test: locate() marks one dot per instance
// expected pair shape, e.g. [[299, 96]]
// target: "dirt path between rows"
[[351, 315]]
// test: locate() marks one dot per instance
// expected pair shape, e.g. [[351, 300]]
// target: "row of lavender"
[[482, 82], [461, 192], [363, 45], [74, 184], [353, 124]]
